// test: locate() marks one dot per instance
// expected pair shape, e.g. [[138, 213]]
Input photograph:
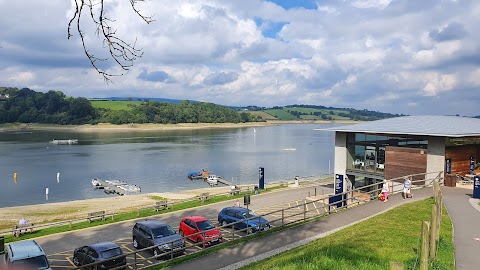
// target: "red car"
[[200, 229]]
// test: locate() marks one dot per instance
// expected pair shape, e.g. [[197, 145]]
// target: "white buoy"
[[58, 177], [46, 191]]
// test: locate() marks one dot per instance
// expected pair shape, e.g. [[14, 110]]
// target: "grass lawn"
[[390, 237]]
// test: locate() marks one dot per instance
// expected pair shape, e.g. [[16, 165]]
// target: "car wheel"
[[156, 253], [249, 230], [181, 233], [135, 243], [222, 223], [75, 261]]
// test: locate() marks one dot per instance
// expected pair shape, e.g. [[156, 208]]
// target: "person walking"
[[385, 190], [237, 203], [407, 186]]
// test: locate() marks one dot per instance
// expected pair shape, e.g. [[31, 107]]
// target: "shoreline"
[[106, 127]]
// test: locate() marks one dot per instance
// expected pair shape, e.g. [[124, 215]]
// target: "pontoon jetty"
[[119, 187]]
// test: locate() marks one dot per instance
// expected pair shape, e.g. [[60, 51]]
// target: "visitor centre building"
[[368, 152]]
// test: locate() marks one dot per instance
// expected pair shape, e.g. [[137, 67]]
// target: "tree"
[[121, 51]]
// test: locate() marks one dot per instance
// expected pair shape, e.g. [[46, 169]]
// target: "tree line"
[[53, 107]]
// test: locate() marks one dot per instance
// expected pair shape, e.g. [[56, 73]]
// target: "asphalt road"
[[59, 248]]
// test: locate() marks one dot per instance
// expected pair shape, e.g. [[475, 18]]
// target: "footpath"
[[465, 215], [267, 246]]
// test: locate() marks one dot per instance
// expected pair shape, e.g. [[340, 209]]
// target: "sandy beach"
[[105, 127], [50, 212]]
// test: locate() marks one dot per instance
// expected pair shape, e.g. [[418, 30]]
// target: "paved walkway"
[[264, 247], [466, 226]]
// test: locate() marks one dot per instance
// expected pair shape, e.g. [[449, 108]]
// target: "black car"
[[154, 233], [107, 254]]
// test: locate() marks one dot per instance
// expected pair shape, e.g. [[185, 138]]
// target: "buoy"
[[58, 177], [46, 191], [15, 177]]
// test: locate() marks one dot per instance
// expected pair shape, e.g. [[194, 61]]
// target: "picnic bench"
[[204, 197], [22, 228], [98, 215], [235, 191], [161, 205]]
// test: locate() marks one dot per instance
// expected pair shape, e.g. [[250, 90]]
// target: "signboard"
[[472, 165], [476, 187], [261, 178], [338, 190], [448, 166]]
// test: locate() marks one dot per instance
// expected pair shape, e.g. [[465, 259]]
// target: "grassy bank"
[[391, 237]]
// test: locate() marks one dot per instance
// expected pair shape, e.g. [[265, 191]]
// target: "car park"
[[243, 218], [157, 234], [200, 230], [25, 255], [107, 255]]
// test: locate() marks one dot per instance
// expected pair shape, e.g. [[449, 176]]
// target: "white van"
[[27, 255]]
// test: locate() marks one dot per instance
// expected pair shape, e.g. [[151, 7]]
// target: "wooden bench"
[[22, 228], [204, 197], [161, 205], [234, 191], [99, 214]]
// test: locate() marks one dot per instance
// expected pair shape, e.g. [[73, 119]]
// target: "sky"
[[398, 56]]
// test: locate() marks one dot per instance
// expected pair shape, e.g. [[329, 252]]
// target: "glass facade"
[[366, 152]]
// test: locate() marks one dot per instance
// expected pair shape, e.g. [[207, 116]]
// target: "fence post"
[[304, 210], [283, 217], [70, 223], [439, 215], [433, 232], [135, 260], [315, 191], [233, 232], [424, 248]]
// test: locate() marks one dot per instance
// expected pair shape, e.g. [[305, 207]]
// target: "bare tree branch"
[[121, 51]]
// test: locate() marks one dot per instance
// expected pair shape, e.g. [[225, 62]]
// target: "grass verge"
[[390, 237]]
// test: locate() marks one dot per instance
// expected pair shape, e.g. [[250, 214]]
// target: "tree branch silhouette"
[[121, 51]]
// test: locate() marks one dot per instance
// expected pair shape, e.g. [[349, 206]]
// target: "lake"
[[157, 161]]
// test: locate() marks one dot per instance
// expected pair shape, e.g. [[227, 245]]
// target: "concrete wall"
[[436, 155], [340, 165]]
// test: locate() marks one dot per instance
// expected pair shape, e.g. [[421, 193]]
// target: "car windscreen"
[[205, 225], [250, 214], [162, 231], [39, 262], [109, 253]]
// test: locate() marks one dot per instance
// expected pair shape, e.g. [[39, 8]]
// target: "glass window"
[[162, 231], [205, 225], [370, 158], [113, 252]]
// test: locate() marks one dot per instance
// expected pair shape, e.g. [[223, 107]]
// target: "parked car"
[[200, 229], [247, 219], [26, 255], [152, 232], [107, 254]]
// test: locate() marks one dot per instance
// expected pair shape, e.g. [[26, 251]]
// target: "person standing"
[[385, 190], [237, 203], [407, 186]]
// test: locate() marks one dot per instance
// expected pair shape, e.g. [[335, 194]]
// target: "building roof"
[[425, 125]]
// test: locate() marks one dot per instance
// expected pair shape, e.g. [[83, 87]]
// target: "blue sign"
[[337, 200], [448, 166], [261, 178], [476, 187], [472, 165]]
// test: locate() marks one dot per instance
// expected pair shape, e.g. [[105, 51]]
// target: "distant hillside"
[[313, 112], [176, 101]]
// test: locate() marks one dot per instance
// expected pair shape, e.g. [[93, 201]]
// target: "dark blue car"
[[243, 218], [107, 254]]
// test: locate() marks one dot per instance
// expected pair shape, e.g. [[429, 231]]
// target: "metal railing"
[[284, 217]]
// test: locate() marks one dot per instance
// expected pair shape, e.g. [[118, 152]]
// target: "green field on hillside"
[[281, 114], [115, 105], [264, 115]]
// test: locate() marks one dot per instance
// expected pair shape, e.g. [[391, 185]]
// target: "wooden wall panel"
[[460, 156], [400, 161]]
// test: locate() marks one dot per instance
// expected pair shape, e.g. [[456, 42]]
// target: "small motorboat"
[[203, 174], [212, 180], [290, 149], [96, 184]]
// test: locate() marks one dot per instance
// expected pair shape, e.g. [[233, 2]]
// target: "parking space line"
[[138, 254], [70, 261]]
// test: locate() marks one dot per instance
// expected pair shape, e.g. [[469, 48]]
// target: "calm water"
[[156, 161]]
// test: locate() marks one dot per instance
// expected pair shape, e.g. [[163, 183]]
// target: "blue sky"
[[398, 56]]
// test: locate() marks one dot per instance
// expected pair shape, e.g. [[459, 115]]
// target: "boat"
[[290, 149], [69, 141], [203, 174], [96, 183], [212, 180], [119, 187]]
